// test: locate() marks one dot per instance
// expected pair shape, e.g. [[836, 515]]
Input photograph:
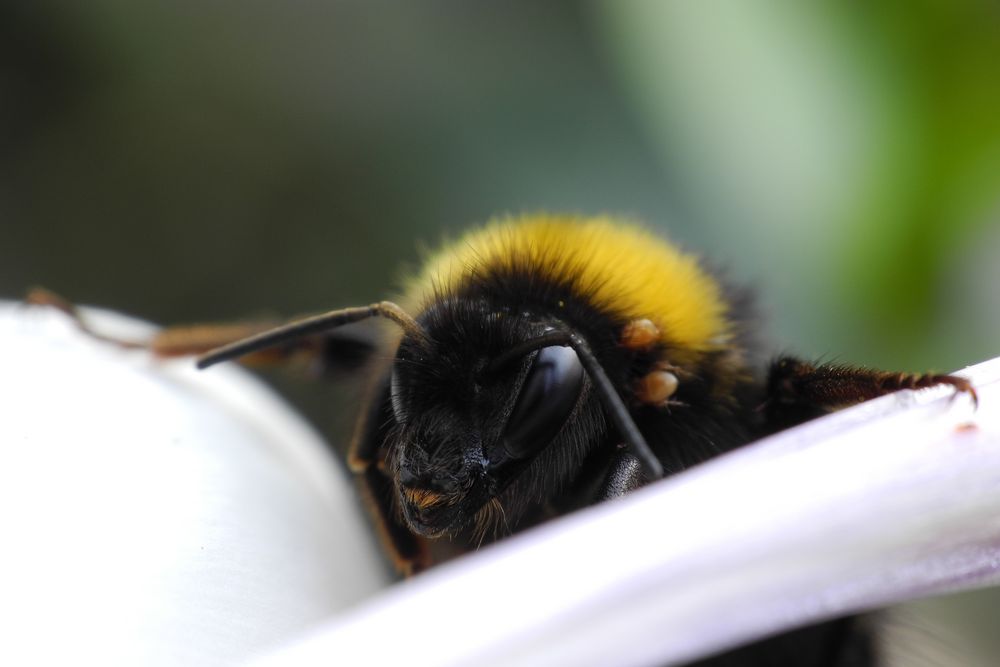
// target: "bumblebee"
[[544, 363]]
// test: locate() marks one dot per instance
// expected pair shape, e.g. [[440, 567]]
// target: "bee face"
[[440, 479], [472, 413]]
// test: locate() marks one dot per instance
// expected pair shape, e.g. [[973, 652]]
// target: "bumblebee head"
[[482, 398], [474, 407]]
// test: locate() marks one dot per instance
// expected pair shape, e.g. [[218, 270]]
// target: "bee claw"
[[962, 386]]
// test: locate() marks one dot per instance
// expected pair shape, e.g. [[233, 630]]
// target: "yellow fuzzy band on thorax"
[[615, 266]]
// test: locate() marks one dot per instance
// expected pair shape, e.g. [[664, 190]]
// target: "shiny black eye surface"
[[396, 396], [547, 398]]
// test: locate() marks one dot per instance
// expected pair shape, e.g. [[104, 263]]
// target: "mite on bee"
[[544, 363]]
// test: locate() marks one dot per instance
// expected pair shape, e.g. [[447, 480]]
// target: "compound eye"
[[547, 398], [395, 395]]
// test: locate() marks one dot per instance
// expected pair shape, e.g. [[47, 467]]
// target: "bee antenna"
[[616, 407], [313, 325]]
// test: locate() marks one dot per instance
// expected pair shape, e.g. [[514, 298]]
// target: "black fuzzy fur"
[[450, 413]]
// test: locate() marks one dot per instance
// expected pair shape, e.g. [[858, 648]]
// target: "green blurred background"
[[186, 161]]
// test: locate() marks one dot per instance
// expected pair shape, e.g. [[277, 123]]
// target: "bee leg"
[[797, 390], [624, 475], [175, 341], [408, 552], [328, 354], [39, 296], [343, 350], [366, 459]]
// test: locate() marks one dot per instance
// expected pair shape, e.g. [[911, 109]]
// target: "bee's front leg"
[[339, 351], [408, 552]]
